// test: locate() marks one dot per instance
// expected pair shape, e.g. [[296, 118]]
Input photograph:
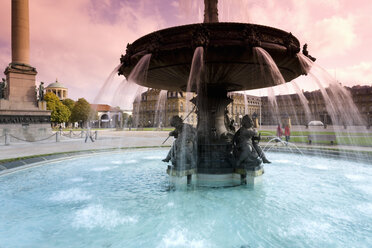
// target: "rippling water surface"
[[124, 200]]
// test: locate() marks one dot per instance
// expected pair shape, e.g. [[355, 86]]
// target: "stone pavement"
[[108, 139]]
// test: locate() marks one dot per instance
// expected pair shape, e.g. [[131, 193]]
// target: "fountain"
[[225, 57], [123, 198]]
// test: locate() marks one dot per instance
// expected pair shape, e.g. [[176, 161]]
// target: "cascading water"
[[193, 84], [303, 100], [289, 111], [128, 87], [339, 105], [160, 109], [269, 71], [137, 76], [107, 86], [274, 110], [245, 104]]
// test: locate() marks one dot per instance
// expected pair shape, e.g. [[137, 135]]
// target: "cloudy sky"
[[80, 41]]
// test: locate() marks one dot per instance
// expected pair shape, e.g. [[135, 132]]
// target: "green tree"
[[60, 113], [82, 112], [69, 103]]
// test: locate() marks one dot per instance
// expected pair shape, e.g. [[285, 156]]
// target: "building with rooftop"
[[58, 89], [108, 116], [155, 108]]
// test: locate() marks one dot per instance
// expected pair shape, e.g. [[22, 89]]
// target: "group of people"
[[245, 141], [287, 132]]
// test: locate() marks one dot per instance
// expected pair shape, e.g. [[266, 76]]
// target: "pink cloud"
[[71, 41], [80, 41]]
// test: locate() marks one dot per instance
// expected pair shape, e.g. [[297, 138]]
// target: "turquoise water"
[[124, 200]]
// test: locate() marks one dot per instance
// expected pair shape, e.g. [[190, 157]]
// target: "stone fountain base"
[[238, 176]]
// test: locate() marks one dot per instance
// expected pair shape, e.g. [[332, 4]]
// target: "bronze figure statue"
[[2, 88], [247, 151], [183, 148], [41, 91]]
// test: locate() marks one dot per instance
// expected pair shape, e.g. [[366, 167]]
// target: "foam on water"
[[309, 228], [365, 208], [71, 195], [94, 216], [282, 161], [130, 161], [333, 212], [76, 179], [117, 162], [152, 157], [366, 189], [353, 177], [104, 168], [180, 237], [318, 166]]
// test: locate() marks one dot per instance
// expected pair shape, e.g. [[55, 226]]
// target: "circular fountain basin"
[[228, 55], [125, 200]]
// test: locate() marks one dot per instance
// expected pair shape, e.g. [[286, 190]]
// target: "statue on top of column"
[[41, 91], [3, 85]]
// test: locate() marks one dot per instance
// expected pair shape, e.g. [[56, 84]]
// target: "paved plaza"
[[109, 139]]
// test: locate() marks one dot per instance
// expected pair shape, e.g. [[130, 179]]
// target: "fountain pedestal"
[[214, 142], [228, 62]]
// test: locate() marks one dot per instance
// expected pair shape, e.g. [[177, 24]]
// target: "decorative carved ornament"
[[125, 60], [200, 37], [15, 119], [292, 48], [251, 36], [155, 43]]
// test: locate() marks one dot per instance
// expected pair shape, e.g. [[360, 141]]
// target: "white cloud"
[[356, 74], [332, 36]]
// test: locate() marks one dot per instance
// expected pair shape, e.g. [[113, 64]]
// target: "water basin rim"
[[314, 151], [46, 158]]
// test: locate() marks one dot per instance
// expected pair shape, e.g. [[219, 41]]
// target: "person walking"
[[279, 132], [89, 135], [287, 133]]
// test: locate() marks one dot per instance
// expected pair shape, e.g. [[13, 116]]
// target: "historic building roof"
[[104, 107], [56, 84]]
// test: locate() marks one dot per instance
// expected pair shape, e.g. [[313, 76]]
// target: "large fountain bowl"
[[229, 60]]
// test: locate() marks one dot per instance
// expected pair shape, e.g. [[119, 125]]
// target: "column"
[[210, 11], [20, 32]]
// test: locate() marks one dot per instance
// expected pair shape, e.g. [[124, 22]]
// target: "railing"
[[58, 134]]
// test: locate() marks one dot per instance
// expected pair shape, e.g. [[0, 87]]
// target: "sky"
[[79, 42]]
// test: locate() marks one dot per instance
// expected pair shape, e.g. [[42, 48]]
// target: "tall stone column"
[[210, 11], [20, 113], [20, 32], [20, 75]]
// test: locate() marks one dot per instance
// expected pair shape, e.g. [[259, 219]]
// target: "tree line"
[[68, 110]]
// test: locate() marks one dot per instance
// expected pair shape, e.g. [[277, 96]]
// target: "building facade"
[[362, 97], [155, 108], [108, 117], [293, 107]]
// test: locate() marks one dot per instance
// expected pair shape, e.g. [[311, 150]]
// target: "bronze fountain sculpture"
[[229, 65]]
